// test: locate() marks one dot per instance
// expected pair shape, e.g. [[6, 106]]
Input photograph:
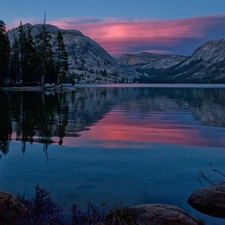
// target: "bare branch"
[[216, 171], [200, 182], [206, 178]]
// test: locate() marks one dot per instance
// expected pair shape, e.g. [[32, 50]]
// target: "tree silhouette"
[[4, 53], [61, 57]]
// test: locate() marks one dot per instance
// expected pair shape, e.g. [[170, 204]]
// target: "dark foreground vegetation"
[[42, 210]]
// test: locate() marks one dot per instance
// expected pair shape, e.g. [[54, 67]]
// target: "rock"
[[161, 214], [47, 85], [67, 85], [210, 201], [11, 208]]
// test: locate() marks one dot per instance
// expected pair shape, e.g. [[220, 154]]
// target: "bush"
[[42, 210]]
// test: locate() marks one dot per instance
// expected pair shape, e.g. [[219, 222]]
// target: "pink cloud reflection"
[[119, 36], [116, 131]]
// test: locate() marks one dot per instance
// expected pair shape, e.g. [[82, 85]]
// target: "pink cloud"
[[157, 32], [119, 36]]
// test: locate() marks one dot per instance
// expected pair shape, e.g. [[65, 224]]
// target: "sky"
[[128, 26]]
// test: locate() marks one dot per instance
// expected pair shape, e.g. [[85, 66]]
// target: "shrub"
[[42, 210]]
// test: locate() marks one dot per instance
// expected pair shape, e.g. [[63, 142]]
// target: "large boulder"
[[11, 209], [161, 214], [210, 201]]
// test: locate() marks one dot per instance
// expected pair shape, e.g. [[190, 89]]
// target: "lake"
[[113, 143]]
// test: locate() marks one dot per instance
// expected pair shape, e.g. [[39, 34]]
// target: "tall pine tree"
[[61, 57], [4, 53], [45, 53], [15, 62], [23, 55], [32, 58]]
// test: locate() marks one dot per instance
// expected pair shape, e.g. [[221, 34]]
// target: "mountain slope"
[[87, 59], [206, 64], [208, 61], [145, 60], [211, 52]]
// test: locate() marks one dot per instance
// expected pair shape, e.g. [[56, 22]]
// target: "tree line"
[[32, 60]]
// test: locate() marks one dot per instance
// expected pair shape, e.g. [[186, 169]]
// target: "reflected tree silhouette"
[[42, 117], [5, 124]]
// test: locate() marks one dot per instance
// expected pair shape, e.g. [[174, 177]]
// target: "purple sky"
[[128, 26]]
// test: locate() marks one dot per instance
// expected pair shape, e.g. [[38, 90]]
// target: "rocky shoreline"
[[211, 201], [13, 211]]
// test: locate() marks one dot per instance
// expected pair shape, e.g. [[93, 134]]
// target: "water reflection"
[[110, 116]]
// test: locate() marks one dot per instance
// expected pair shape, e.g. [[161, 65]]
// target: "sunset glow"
[[118, 36], [124, 36]]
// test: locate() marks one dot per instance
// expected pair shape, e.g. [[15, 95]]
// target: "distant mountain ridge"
[[150, 60], [205, 65], [208, 61]]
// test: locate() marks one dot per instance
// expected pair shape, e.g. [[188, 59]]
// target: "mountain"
[[90, 62], [145, 60], [206, 64], [211, 52]]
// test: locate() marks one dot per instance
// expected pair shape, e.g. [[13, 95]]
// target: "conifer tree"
[[23, 54], [32, 58], [4, 53], [45, 53], [15, 62], [61, 57], [2, 27]]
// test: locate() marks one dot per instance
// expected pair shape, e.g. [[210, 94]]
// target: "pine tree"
[[15, 62], [45, 53], [4, 53], [2, 27], [23, 54], [29, 58], [32, 58], [61, 57]]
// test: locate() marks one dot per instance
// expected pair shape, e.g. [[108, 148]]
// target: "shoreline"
[[36, 88], [28, 88], [74, 87]]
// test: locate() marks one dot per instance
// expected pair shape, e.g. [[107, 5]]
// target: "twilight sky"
[[128, 26]]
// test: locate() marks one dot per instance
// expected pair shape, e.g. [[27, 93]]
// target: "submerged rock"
[[161, 214], [210, 201], [11, 208]]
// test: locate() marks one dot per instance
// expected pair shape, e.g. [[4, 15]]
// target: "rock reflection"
[[49, 117]]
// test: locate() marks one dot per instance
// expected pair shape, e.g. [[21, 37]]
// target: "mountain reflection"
[[53, 118]]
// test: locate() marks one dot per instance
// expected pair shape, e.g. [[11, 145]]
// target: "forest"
[[31, 61]]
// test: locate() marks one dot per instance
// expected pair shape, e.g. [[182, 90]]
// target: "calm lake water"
[[112, 144]]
